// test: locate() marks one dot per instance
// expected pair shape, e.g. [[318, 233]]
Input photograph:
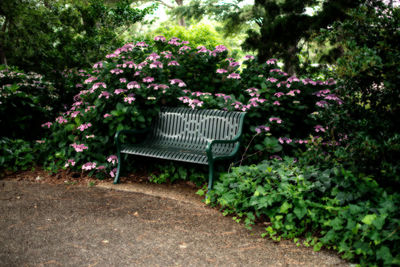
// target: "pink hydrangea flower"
[[79, 147], [156, 64], [89, 80], [177, 81], [248, 57], [89, 166], [133, 84], [122, 80], [221, 71], [173, 63], [279, 94], [153, 56], [272, 80], [84, 126], [70, 162], [105, 94], [130, 98], [74, 114], [98, 65], [277, 103], [107, 115], [113, 172], [234, 76], [148, 79], [116, 71], [262, 128], [319, 128], [119, 91], [61, 120], [278, 120], [160, 38], [113, 159], [47, 124], [141, 44], [285, 140], [272, 61], [220, 48]]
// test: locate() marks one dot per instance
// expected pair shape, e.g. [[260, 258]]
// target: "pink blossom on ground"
[[79, 147], [234, 76], [278, 120], [47, 124], [113, 172], [89, 166], [130, 98], [113, 159], [70, 162]]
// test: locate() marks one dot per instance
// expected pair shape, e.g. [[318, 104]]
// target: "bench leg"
[[116, 179], [210, 175]]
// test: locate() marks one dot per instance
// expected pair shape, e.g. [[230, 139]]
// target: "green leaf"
[[285, 207], [368, 219]]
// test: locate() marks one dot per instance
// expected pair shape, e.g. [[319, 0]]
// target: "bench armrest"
[[235, 139]]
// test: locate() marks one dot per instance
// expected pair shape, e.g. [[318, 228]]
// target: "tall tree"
[[42, 35], [277, 26]]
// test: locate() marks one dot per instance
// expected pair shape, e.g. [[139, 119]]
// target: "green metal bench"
[[184, 134]]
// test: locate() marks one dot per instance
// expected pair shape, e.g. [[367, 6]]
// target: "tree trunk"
[[181, 20]]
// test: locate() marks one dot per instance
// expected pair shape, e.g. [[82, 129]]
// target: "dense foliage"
[[43, 36], [332, 208], [26, 100]]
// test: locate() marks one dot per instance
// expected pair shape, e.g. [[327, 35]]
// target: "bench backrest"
[[193, 129]]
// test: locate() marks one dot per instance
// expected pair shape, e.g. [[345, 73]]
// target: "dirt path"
[[73, 225]]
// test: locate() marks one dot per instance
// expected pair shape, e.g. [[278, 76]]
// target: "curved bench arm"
[[117, 143], [235, 139]]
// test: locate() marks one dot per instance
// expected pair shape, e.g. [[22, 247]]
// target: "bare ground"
[[59, 220]]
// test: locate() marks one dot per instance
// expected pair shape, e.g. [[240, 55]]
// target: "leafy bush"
[[331, 208], [128, 88], [368, 83], [26, 101], [17, 154]]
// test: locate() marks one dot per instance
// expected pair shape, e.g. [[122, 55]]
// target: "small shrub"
[[331, 208]]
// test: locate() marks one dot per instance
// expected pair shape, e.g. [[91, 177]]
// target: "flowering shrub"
[[25, 100], [127, 89]]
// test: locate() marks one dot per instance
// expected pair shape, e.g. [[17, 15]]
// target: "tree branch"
[[165, 4]]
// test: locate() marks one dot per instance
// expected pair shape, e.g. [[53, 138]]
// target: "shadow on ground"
[[74, 225]]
